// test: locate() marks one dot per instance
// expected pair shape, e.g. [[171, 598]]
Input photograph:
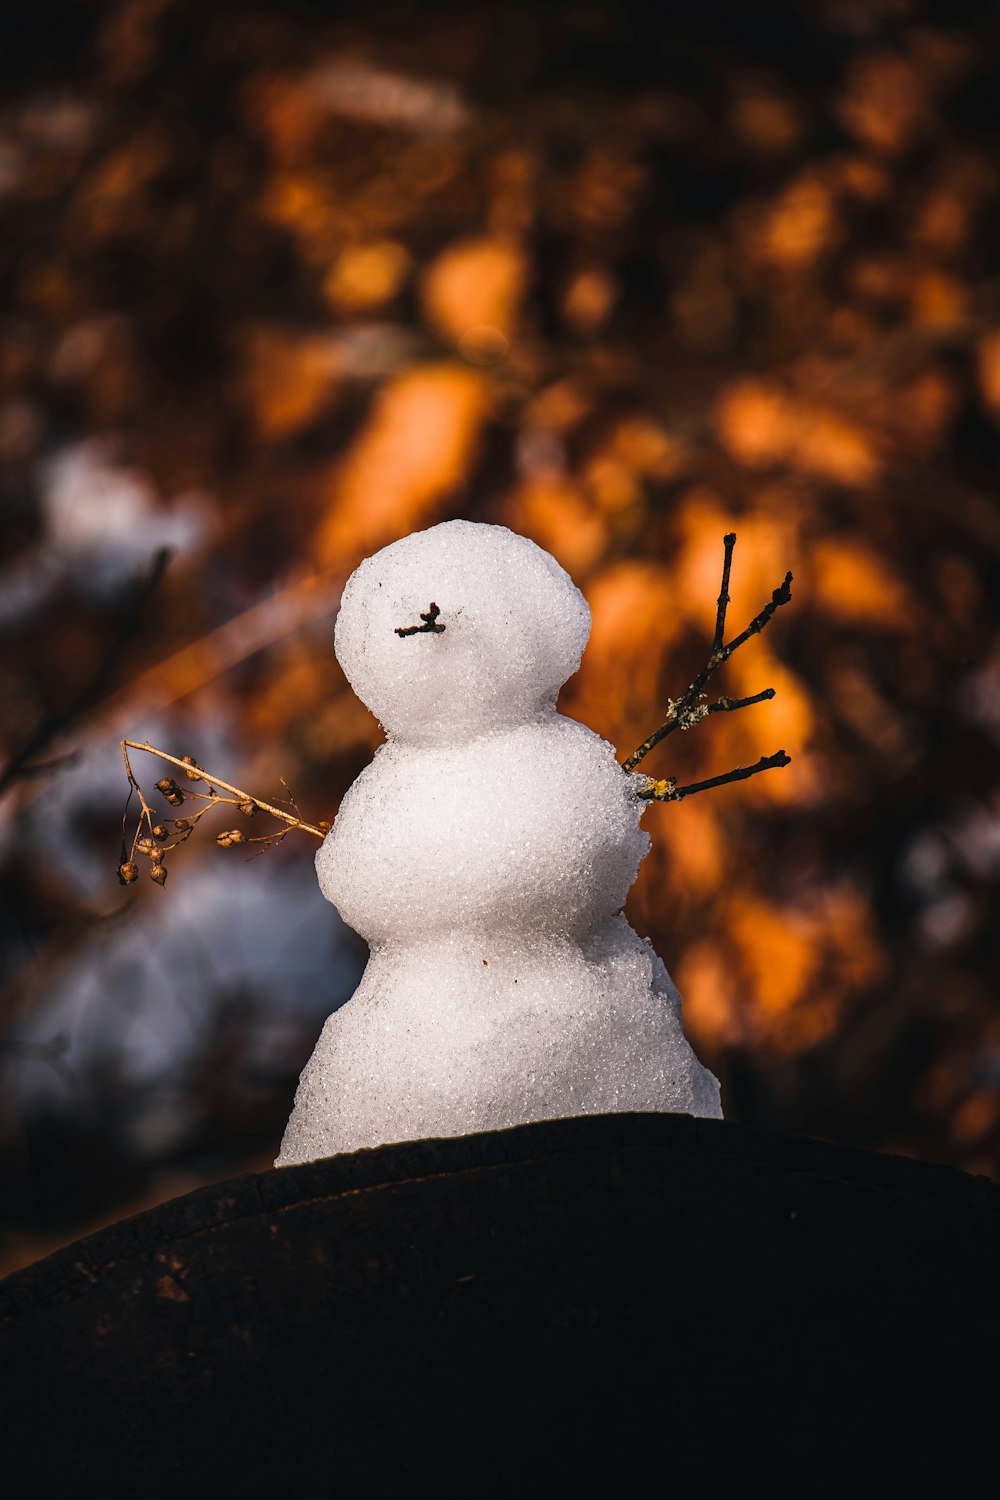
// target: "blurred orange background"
[[286, 282]]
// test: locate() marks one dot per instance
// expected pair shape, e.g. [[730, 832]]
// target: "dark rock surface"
[[617, 1300]]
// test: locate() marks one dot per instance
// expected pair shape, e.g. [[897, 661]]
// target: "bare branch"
[[689, 709], [189, 767], [669, 791], [782, 594], [147, 811], [728, 542], [154, 846]]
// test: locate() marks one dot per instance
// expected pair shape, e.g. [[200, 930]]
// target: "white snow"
[[485, 854], [515, 629]]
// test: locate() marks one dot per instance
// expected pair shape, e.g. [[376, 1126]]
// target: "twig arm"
[[641, 751], [722, 604], [689, 709], [728, 705], [669, 791], [684, 715], [781, 595], [147, 812], [196, 771]]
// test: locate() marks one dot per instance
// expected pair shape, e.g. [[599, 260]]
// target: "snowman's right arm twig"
[[161, 837], [688, 710]]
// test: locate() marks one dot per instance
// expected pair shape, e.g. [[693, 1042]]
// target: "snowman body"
[[485, 855]]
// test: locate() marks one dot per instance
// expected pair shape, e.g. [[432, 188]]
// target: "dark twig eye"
[[430, 625]]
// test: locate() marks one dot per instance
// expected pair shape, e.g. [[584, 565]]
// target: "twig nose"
[[429, 627]]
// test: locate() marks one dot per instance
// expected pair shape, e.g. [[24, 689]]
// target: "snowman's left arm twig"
[[688, 710], [669, 791]]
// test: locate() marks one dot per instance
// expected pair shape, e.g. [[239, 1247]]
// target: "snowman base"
[[580, 1300], [452, 1038]]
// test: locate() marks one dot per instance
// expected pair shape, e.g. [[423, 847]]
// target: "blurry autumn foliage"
[[279, 288]]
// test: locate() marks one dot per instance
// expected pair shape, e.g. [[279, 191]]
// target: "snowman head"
[[509, 628]]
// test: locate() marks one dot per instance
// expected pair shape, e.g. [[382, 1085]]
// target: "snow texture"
[[485, 855]]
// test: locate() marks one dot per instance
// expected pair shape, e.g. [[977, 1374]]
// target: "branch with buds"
[[154, 837], [691, 707]]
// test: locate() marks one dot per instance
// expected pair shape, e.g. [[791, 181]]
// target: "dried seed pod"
[[236, 836], [181, 825], [156, 855], [192, 775], [159, 874], [159, 832], [248, 808], [147, 847], [128, 872], [170, 790], [223, 840]]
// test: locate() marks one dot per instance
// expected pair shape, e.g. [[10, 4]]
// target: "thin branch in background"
[[39, 768], [726, 705], [689, 710], [23, 763]]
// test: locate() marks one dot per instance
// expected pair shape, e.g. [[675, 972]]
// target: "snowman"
[[485, 855]]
